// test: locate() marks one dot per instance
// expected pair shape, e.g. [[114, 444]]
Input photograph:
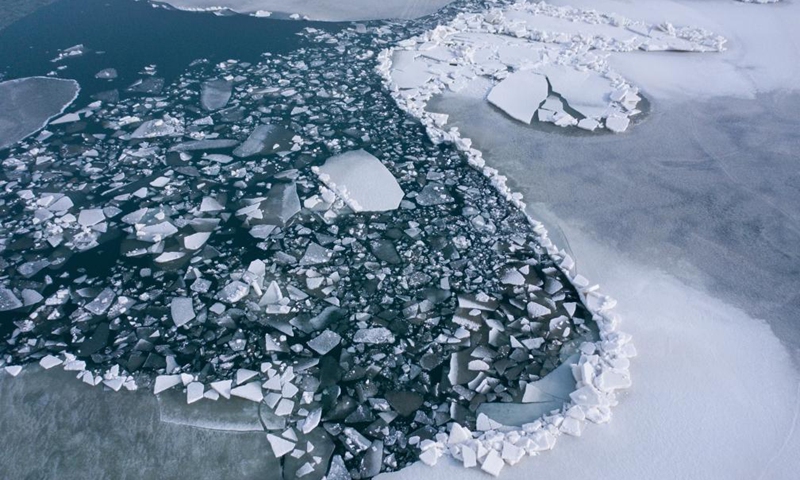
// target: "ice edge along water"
[[602, 367]]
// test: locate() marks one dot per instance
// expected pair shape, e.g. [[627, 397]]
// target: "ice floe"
[[26, 104]]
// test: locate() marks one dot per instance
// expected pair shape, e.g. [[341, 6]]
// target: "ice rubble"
[[324, 10], [371, 331], [548, 63], [26, 105]]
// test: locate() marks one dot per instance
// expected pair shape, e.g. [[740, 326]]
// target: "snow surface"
[[26, 105], [323, 10], [715, 395]]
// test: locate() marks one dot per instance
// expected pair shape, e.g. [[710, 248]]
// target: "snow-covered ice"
[[362, 181]]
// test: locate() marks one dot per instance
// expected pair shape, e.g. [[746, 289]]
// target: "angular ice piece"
[[264, 140], [311, 421], [101, 302], [163, 127], [373, 336], [282, 204], [458, 434], [182, 310], [91, 217], [165, 382], [50, 361], [196, 240], [362, 181], [233, 292], [316, 254], [13, 370], [215, 94], [223, 387], [210, 205], [106, 74], [8, 301], [243, 375], [285, 407], [325, 342], [194, 392], [250, 391], [212, 144], [519, 95], [280, 446]]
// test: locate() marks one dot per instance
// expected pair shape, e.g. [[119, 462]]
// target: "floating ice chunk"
[[519, 95], [250, 391], [311, 421], [280, 446], [325, 342], [212, 144], [101, 302], [282, 204], [210, 205], [182, 310], [194, 392], [68, 118], [106, 74], [215, 94], [374, 336], [264, 140], [233, 292], [196, 240], [165, 382], [493, 463], [163, 127], [50, 361], [13, 370], [316, 254], [8, 301], [91, 217], [362, 181], [73, 51], [223, 387], [243, 375], [285, 407], [458, 434]]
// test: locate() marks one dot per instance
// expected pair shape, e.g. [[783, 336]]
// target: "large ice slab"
[[520, 95], [362, 181], [27, 104]]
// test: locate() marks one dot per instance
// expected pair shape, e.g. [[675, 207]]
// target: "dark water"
[[128, 35]]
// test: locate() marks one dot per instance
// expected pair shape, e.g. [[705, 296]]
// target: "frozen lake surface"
[[257, 233]]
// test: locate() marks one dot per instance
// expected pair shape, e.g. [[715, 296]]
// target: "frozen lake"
[[234, 206]]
